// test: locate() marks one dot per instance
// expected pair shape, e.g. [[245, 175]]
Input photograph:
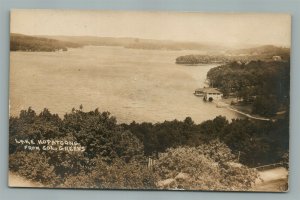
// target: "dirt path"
[[18, 181], [247, 115], [272, 180], [225, 104]]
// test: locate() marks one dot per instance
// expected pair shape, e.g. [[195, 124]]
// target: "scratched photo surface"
[[149, 100]]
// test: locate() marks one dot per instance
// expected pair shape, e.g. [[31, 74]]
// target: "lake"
[[132, 84]]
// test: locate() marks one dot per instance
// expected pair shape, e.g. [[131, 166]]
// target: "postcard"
[[142, 100]]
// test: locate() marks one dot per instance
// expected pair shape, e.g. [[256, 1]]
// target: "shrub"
[[34, 166], [203, 170], [118, 175]]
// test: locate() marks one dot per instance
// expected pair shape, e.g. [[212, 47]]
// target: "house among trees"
[[276, 58]]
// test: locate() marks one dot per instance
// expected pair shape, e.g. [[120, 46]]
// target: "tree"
[[97, 132], [101, 135], [194, 169], [265, 106]]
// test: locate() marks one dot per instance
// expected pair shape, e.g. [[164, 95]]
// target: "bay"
[[132, 84]]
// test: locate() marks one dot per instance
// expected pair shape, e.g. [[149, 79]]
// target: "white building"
[[211, 94], [276, 58]]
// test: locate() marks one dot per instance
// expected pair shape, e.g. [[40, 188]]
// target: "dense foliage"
[[265, 85], [200, 168], [20, 42], [116, 155], [105, 143], [255, 142]]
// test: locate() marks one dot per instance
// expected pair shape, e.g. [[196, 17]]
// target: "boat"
[[199, 92]]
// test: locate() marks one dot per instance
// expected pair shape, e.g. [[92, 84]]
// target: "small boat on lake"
[[199, 92]]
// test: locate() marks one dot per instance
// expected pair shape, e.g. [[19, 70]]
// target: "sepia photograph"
[[149, 100]]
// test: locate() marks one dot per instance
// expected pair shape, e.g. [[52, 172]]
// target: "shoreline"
[[223, 104], [248, 115]]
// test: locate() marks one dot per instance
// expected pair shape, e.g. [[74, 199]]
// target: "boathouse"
[[211, 94]]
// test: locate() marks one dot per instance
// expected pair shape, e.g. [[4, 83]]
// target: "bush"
[[194, 169], [118, 175], [35, 167], [265, 106]]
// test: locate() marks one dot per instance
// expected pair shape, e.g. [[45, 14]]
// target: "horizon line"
[[175, 41]]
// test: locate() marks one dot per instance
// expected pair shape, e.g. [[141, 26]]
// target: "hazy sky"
[[224, 29]]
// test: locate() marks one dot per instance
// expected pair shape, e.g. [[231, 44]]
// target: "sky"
[[231, 29]]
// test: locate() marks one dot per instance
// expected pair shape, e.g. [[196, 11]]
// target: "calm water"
[[140, 85]]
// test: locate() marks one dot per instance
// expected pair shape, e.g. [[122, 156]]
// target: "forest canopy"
[[265, 85], [122, 150]]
